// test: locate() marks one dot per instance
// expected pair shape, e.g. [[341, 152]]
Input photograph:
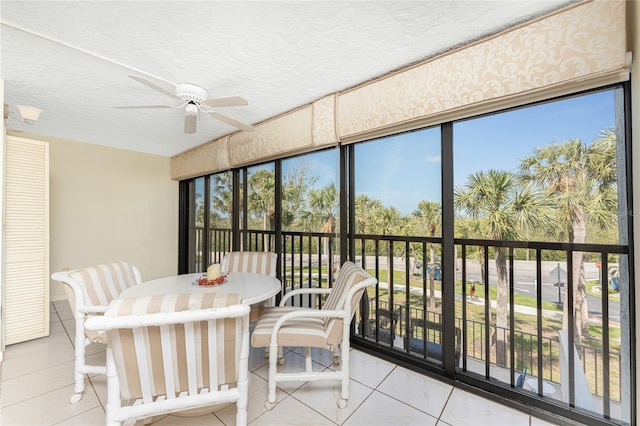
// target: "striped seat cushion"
[[101, 284], [169, 359], [296, 332], [250, 261], [313, 332]]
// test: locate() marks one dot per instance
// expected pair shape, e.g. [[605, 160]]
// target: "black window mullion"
[[448, 269], [278, 214], [183, 227], [235, 209], [206, 225], [245, 215]]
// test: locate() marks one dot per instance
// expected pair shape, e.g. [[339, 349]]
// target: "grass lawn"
[[595, 289], [399, 278]]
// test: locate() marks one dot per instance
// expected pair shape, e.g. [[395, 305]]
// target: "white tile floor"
[[37, 381]]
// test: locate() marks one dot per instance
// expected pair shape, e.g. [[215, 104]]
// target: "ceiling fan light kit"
[[194, 99], [29, 114], [190, 109]]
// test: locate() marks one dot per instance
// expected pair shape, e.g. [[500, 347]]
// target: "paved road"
[[524, 275], [525, 283]]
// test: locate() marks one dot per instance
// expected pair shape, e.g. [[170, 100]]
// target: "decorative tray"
[[204, 282]]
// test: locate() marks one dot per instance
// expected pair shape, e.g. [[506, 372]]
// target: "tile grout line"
[[444, 407], [403, 402]]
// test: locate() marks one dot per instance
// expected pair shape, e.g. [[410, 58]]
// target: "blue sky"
[[409, 165], [402, 170]]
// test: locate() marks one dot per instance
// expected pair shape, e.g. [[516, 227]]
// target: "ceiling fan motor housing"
[[191, 93]]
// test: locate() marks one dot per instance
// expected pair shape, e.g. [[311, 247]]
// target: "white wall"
[[109, 204]]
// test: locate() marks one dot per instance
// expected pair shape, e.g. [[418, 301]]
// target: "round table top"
[[254, 288]]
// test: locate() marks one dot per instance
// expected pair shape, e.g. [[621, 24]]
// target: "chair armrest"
[[292, 293], [136, 274], [79, 298], [98, 309], [320, 313], [60, 276]]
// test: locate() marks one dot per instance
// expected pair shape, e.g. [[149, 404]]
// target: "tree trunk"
[[328, 227], [432, 285], [501, 308], [578, 234], [481, 262], [389, 271], [265, 236]]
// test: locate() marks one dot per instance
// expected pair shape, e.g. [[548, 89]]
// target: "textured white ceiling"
[[71, 59]]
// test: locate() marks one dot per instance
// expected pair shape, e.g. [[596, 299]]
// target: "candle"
[[213, 271]]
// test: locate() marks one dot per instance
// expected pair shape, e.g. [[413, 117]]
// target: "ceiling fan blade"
[[153, 86], [190, 123], [225, 102], [235, 123], [141, 106]]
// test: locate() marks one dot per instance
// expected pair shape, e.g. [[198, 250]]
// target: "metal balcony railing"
[[310, 259]]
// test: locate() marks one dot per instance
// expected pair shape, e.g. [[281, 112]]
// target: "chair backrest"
[[250, 261], [97, 286], [103, 283], [349, 276], [186, 355]]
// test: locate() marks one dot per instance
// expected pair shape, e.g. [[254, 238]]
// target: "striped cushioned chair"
[[175, 352], [326, 328], [258, 262], [250, 261], [89, 292]]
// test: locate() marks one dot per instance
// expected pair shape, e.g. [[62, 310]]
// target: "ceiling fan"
[[194, 99]]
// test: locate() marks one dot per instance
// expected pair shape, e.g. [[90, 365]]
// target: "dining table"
[[254, 288]]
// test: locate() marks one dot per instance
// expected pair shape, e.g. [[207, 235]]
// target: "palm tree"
[[499, 200], [261, 187], [467, 227], [295, 186], [365, 206], [321, 213], [261, 199], [429, 216], [222, 195], [387, 221], [580, 181]]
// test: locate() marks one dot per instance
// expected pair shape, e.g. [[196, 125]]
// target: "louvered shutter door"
[[26, 240]]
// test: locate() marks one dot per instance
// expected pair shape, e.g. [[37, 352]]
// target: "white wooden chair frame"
[[276, 354], [82, 308], [116, 413]]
